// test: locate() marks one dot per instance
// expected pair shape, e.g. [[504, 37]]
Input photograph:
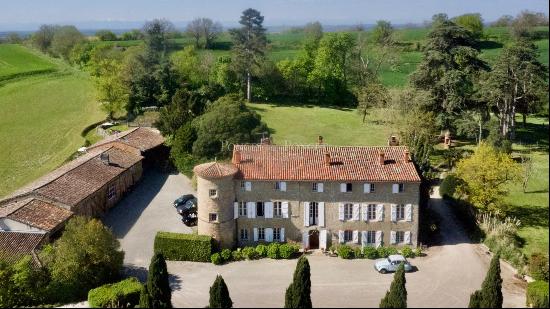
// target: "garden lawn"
[[41, 120], [299, 124], [16, 60]]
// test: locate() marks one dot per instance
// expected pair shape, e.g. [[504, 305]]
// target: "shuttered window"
[[399, 237], [400, 212], [244, 234], [242, 209], [371, 212], [348, 211], [277, 234], [348, 235], [261, 233], [370, 237], [277, 209], [259, 209]]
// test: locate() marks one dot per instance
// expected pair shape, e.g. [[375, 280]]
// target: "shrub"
[[273, 250], [237, 255], [537, 294], [123, 294], [448, 186], [226, 254], [407, 252], [287, 251], [345, 252], [333, 249], [158, 285], [418, 251], [538, 266], [184, 247], [249, 253], [370, 252], [216, 259], [386, 251], [261, 250], [357, 252]]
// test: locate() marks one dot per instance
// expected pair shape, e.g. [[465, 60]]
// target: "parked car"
[[182, 199], [190, 219], [391, 263], [190, 205]]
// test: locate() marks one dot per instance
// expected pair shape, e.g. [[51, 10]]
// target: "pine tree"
[[157, 283], [144, 298], [475, 300], [298, 294], [396, 297], [219, 294], [491, 289]]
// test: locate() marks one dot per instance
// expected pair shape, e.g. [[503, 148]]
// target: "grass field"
[[302, 125], [42, 117], [16, 60]]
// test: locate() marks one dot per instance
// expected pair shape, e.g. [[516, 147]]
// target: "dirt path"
[[469, 261]]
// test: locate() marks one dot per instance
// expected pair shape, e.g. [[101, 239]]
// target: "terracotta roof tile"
[[15, 245], [215, 170], [347, 163], [41, 214], [78, 183], [141, 138]]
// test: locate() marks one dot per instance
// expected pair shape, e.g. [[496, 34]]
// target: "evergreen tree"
[[475, 300], [249, 43], [219, 294], [298, 294], [157, 283], [396, 297], [144, 298], [491, 289]]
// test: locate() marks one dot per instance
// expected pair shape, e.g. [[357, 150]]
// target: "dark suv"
[[186, 206]]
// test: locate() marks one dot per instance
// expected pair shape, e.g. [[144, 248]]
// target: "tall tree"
[[448, 70], [396, 297], [298, 293], [64, 39], [471, 22], [517, 82], [383, 32], [490, 295], [42, 38], [157, 33], [193, 29], [219, 294], [249, 45], [158, 285]]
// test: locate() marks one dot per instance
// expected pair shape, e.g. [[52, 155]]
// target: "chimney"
[[265, 141], [406, 156], [381, 158], [320, 140], [327, 159], [105, 158], [236, 157]]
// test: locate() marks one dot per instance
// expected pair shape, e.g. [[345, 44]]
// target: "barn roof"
[[141, 138]]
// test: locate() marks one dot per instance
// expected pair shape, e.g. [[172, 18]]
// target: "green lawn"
[[42, 119], [16, 60], [301, 125]]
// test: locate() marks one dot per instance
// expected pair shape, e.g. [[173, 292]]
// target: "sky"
[[29, 14]]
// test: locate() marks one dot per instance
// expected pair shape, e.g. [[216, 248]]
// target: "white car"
[[391, 263]]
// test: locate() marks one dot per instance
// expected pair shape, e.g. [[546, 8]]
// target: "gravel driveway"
[[445, 278], [146, 210]]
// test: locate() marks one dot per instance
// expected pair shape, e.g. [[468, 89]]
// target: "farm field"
[[43, 115]]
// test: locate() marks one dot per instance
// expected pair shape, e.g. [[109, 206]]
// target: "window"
[[372, 187], [259, 209], [371, 212], [313, 213], [261, 233], [401, 188], [400, 212], [277, 234], [277, 209], [348, 211], [399, 237], [244, 234], [243, 185], [111, 192], [314, 187], [277, 186], [213, 193], [242, 209], [213, 217], [371, 237], [349, 187], [348, 235]]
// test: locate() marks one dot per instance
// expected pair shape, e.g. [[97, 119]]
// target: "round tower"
[[215, 198]]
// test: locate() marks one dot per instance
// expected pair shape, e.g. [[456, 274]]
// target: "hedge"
[[123, 294], [537, 294], [184, 247]]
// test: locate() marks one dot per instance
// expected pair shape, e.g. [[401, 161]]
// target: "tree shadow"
[[533, 134], [530, 216], [141, 273], [489, 45]]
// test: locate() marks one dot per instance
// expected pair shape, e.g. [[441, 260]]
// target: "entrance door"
[[313, 213], [314, 239]]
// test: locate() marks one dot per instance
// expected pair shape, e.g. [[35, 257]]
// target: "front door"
[[314, 239]]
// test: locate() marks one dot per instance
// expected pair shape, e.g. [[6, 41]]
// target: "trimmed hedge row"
[[184, 247], [537, 294], [123, 294], [273, 251], [348, 252]]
